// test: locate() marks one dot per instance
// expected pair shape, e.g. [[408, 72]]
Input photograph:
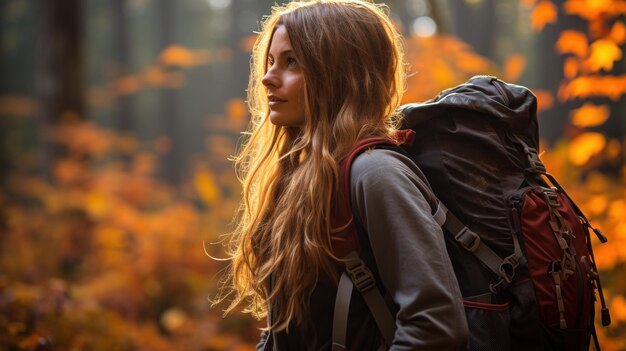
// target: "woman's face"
[[284, 81]]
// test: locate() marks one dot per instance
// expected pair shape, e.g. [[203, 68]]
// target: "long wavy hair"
[[351, 57]]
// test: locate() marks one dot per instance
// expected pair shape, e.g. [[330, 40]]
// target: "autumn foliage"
[[107, 256]]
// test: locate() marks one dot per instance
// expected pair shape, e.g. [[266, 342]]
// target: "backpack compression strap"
[[503, 268]]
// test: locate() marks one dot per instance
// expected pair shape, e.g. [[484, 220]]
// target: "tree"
[[59, 76]]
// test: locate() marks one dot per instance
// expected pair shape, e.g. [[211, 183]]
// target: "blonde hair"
[[354, 77]]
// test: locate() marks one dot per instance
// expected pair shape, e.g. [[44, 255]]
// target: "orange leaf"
[[163, 144], [159, 76], [597, 204], [572, 42], [22, 106], [618, 308], [586, 86], [584, 147], [225, 54], [603, 54], [247, 43], [614, 150], [544, 99], [177, 55], [96, 204], [236, 108], [618, 33], [237, 112], [593, 9], [528, 3], [545, 12], [514, 67], [570, 67], [589, 115], [442, 74], [128, 85]]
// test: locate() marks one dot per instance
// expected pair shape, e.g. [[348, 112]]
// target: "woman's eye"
[[291, 62]]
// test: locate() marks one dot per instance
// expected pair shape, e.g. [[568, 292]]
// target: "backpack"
[[520, 247]]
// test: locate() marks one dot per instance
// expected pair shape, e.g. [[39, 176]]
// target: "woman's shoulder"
[[380, 162], [379, 171]]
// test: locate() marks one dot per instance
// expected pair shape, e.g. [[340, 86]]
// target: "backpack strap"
[[503, 268], [359, 276], [345, 244], [344, 237]]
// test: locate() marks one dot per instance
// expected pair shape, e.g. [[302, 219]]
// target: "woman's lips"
[[273, 101]]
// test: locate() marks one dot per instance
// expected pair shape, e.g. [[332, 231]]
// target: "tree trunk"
[[172, 160], [475, 23], [59, 78], [124, 112]]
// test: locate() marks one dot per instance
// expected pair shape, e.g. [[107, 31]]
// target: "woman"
[[325, 74]]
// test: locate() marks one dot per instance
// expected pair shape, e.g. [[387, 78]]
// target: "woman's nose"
[[270, 80]]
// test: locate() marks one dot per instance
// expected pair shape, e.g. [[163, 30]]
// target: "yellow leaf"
[[603, 54], [514, 67], [206, 187], [585, 146], [572, 42], [545, 12], [589, 115], [96, 204]]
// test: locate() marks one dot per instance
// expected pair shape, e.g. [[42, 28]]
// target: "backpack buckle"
[[507, 273], [551, 196], [361, 277], [536, 166], [468, 239]]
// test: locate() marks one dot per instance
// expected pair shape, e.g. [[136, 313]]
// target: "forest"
[[118, 120]]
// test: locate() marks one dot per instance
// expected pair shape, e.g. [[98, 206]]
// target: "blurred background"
[[117, 118]]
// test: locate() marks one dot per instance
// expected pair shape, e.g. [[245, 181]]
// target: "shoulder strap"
[[344, 234], [359, 276]]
